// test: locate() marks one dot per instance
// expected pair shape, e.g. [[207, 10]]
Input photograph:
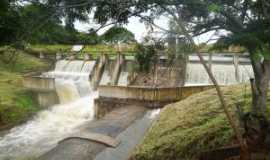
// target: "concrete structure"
[[83, 148], [150, 94], [44, 89], [46, 99], [106, 136], [117, 68], [111, 97], [98, 71], [38, 83]]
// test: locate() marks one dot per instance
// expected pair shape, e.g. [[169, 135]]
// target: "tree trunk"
[[260, 87]]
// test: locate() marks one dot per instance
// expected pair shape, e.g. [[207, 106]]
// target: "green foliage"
[[265, 51], [109, 49], [214, 8], [118, 34], [18, 61], [19, 110], [145, 57], [16, 104], [48, 49], [10, 26]]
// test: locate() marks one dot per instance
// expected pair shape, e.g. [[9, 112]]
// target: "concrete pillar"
[[98, 71], [47, 99], [120, 59]]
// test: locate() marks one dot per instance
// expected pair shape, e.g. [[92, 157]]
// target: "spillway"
[[223, 69], [43, 132]]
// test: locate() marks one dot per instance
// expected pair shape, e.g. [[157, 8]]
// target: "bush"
[[145, 56]]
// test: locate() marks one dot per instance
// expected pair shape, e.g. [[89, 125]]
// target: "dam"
[[91, 106]]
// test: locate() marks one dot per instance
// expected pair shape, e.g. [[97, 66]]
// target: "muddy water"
[[42, 133]]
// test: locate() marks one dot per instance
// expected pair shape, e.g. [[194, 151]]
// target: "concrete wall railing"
[[40, 84], [150, 94]]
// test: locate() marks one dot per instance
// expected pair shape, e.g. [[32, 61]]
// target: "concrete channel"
[[112, 125], [120, 125]]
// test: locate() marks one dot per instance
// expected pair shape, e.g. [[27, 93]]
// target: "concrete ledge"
[[111, 97], [150, 94], [40, 84]]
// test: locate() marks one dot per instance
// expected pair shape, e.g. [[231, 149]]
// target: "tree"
[[247, 23], [118, 34]]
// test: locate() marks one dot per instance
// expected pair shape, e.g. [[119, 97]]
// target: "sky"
[[135, 26], [139, 29]]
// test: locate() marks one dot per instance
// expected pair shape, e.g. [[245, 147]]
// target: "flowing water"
[[50, 126], [225, 73]]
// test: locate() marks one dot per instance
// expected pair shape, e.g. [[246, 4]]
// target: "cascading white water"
[[50, 126], [246, 71], [225, 73], [196, 74]]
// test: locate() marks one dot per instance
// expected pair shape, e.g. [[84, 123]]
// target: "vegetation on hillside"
[[196, 124], [88, 49], [16, 103]]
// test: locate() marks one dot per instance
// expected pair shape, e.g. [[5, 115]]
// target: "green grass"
[[49, 49], [16, 103], [196, 124], [93, 50], [108, 49]]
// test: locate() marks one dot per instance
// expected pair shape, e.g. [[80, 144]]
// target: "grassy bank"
[[93, 50], [191, 126], [16, 103]]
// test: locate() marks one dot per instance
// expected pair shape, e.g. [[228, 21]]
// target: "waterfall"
[[48, 127], [225, 73], [246, 72], [196, 74]]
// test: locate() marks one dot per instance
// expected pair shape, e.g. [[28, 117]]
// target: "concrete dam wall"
[[83, 126], [228, 69]]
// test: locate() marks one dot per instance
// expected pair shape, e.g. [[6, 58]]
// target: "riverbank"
[[16, 103], [196, 124]]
